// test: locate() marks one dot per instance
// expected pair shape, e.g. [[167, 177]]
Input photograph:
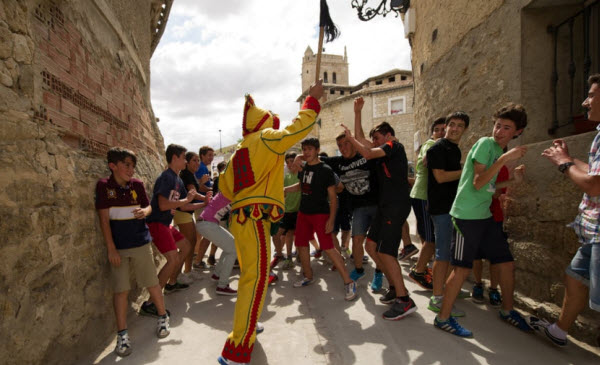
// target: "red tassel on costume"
[[240, 353]]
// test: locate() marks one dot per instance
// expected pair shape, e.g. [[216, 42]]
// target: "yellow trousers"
[[253, 245]]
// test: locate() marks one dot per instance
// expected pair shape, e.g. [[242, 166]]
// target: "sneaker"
[[541, 325], [224, 361], [355, 275], [175, 287], [211, 261], [273, 278], [477, 293], [463, 294], [149, 309], [225, 291], [435, 305], [185, 278], [260, 328], [495, 298], [513, 317], [316, 254], [350, 290], [276, 260], [304, 282], [199, 265], [377, 282], [422, 279], [389, 297], [288, 264], [400, 310], [407, 252], [214, 277], [123, 347], [346, 253], [162, 326], [451, 326]]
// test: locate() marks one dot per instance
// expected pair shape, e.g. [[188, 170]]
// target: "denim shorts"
[[585, 267], [443, 228], [362, 218]]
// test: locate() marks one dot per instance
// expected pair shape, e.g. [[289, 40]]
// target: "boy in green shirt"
[[476, 236]]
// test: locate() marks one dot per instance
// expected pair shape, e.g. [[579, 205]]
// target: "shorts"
[[142, 262], [362, 218], [288, 222], [443, 228], [275, 228], [342, 219], [182, 217], [309, 224], [479, 239], [165, 238], [386, 230], [424, 223], [585, 267]]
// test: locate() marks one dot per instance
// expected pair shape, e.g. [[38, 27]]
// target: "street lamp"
[[220, 145], [366, 13]]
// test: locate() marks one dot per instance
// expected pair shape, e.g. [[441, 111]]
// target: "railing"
[[583, 51]]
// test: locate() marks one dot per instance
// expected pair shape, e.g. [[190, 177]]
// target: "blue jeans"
[[362, 218], [585, 267], [443, 228]]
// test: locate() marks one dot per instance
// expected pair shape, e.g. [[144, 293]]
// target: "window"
[[332, 92], [402, 78], [392, 79], [341, 92], [396, 105], [325, 78], [334, 78], [378, 82]]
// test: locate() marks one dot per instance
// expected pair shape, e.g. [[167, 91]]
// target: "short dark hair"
[[174, 150], [290, 155], [458, 115], [119, 154], [311, 142], [438, 121], [342, 135], [514, 112], [383, 128], [221, 165], [189, 155], [204, 150], [594, 79]]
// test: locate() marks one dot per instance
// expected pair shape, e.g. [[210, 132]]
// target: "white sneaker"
[[162, 327], [350, 290], [186, 278], [123, 345]]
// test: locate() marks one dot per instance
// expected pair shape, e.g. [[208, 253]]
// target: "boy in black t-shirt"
[[317, 215]]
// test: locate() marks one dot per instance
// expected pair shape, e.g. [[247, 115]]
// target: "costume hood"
[[256, 119]]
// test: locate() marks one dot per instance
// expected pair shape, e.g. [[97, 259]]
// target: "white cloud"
[[213, 52]]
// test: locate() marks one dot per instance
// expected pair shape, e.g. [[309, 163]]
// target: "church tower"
[[334, 69]]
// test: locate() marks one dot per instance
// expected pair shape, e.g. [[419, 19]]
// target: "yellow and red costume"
[[253, 181]]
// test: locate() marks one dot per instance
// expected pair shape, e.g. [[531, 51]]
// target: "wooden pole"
[[321, 31]]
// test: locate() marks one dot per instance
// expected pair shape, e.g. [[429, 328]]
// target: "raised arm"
[[358, 130], [366, 151]]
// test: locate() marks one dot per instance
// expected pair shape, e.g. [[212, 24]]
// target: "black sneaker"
[[400, 310], [407, 252], [175, 287], [389, 297], [149, 309], [211, 261], [422, 279]]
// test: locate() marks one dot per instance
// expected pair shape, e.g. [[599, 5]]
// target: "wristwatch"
[[565, 166]]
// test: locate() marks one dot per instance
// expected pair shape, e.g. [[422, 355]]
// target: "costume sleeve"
[[279, 141]]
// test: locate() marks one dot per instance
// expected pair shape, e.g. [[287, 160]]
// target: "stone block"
[[6, 42], [22, 48]]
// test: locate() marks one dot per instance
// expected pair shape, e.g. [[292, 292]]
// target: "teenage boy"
[[392, 210], [167, 196], [317, 216], [203, 174], [583, 274], [418, 198], [122, 205], [444, 169], [253, 182], [476, 234]]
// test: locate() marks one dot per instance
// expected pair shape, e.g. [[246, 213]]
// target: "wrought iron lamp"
[[366, 13]]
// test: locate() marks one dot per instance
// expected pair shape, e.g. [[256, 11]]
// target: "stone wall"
[[73, 83], [475, 56]]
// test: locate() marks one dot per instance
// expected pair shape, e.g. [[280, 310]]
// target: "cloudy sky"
[[213, 52]]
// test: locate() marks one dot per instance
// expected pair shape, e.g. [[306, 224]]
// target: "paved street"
[[314, 325]]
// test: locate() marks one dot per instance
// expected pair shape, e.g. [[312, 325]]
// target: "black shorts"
[[386, 228], [424, 222], [288, 222], [342, 219], [475, 239]]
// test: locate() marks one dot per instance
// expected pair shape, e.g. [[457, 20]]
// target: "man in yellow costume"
[[253, 182]]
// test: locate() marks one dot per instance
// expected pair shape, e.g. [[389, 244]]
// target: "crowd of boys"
[[457, 205]]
